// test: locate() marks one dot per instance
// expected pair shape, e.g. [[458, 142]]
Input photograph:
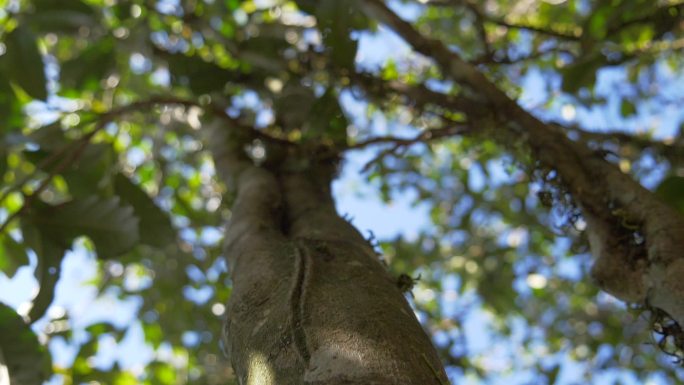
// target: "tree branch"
[[510, 60], [672, 152], [101, 122], [596, 185], [402, 143], [415, 94], [661, 15], [503, 23], [422, 137]]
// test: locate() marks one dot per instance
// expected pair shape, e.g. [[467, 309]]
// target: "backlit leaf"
[[62, 16], [12, 255], [22, 357], [155, 225], [50, 253], [23, 62], [89, 67], [111, 225]]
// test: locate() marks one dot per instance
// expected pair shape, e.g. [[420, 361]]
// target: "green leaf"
[[3, 161], [627, 108], [111, 226], [8, 101], [62, 16], [12, 255], [496, 289], [27, 362], [232, 4], [581, 73], [48, 138], [552, 374], [596, 24], [50, 254], [102, 328], [390, 72], [89, 67], [201, 76], [155, 225], [671, 190], [23, 62], [90, 174]]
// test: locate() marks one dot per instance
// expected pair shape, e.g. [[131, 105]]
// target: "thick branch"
[[669, 13], [416, 94], [580, 170], [673, 152]]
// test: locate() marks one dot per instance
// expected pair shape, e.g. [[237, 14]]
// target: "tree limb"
[[503, 23]]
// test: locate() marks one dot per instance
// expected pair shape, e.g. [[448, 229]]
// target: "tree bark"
[[311, 302]]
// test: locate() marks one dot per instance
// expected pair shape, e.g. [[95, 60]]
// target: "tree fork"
[[311, 302]]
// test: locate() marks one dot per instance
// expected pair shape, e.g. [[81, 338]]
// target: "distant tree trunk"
[[311, 302]]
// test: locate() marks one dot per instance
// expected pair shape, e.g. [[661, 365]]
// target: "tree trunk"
[[311, 302]]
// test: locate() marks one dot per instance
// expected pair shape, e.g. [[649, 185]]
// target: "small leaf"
[[22, 357], [596, 24], [552, 374], [155, 225], [581, 73], [627, 108], [23, 62], [390, 72], [12, 255], [101, 328]]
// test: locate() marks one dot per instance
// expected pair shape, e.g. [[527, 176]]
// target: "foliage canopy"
[[103, 152]]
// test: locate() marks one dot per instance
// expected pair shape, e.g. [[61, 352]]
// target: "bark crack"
[[301, 277]]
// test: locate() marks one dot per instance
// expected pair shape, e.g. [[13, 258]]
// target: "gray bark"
[[311, 302]]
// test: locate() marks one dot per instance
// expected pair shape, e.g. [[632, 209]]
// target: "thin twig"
[[44, 163], [66, 162], [401, 143], [509, 60], [501, 22]]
